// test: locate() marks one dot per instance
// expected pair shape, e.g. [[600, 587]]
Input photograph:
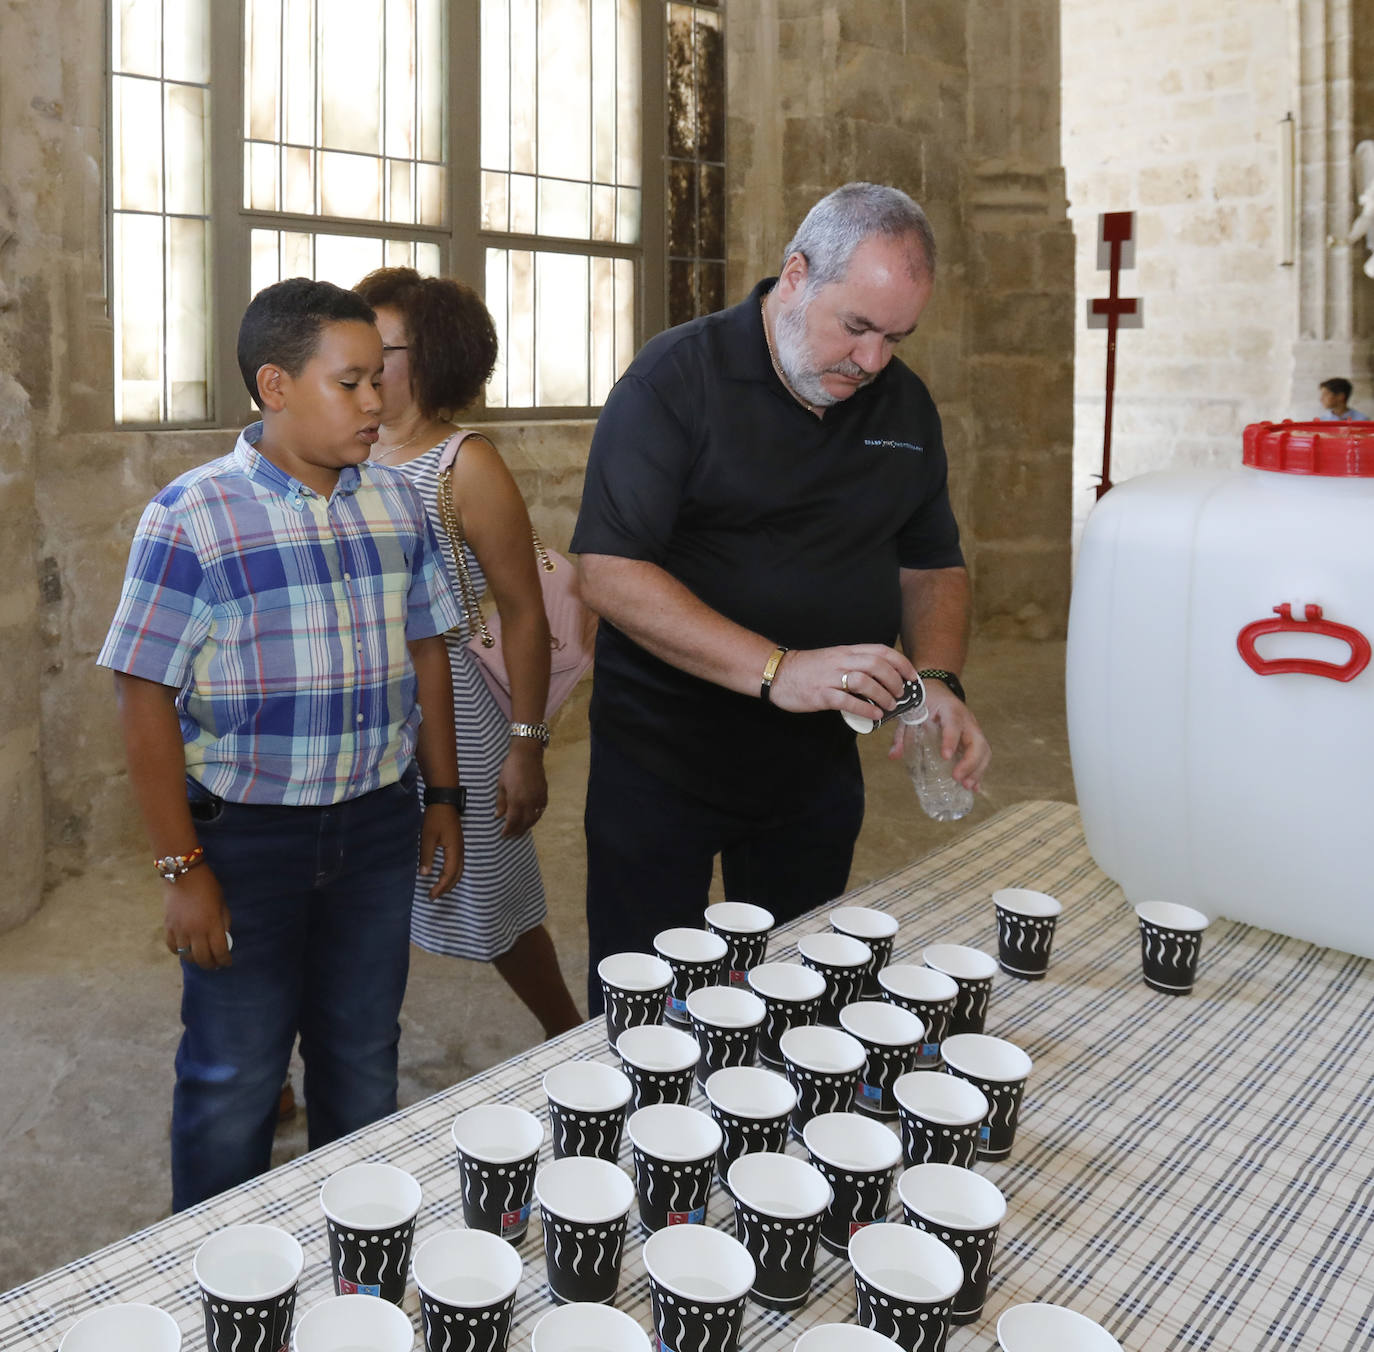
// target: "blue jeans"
[[651, 850], [319, 900]]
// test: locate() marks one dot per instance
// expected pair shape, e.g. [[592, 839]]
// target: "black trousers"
[[651, 848]]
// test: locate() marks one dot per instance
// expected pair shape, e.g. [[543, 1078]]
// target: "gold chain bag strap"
[[572, 627]]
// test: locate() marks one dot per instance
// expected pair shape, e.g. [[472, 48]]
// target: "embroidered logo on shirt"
[[891, 445]]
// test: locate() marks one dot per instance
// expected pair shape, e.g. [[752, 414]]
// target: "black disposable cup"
[[963, 1210], [844, 962], [876, 928], [369, 1212], [745, 931], [697, 958], [823, 1066], [930, 996], [659, 1063], [727, 1022], [779, 1202], [891, 1039], [634, 987], [1025, 931], [941, 1118], [999, 1069], [905, 1282], [583, 1205], [858, 1158], [698, 1281], [752, 1107], [247, 1276], [586, 1108], [1170, 941], [467, 1281], [498, 1149], [972, 971], [791, 995], [675, 1156]]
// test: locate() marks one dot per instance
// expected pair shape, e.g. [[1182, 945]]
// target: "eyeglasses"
[[396, 347]]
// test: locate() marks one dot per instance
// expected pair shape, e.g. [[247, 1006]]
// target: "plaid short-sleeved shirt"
[[282, 618]]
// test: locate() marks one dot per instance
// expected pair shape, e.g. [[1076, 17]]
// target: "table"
[[1190, 1172]]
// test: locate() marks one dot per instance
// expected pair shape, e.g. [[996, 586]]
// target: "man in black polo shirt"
[[765, 509]]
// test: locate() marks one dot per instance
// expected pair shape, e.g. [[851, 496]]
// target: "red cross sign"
[[1115, 250]]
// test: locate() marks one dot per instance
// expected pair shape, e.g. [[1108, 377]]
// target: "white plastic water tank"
[[1221, 716]]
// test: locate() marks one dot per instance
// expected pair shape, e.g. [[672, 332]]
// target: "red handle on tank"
[[1313, 624]]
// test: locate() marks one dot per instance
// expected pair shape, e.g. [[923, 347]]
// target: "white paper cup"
[[972, 971], [845, 962], [1041, 1327], [823, 1066], [659, 1063], [891, 1038], [674, 1157], [586, 1108], [926, 993], [906, 1281], [668, 1131], [876, 928], [361, 1203], [727, 1021], [247, 1276], [697, 958], [583, 1203], [470, 1269], [792, 994], [941, 1117], [745, 930], [698, 1279], [752, 1107], [843, 1338], [353, 1324], [779, 1198], [739, 917], [634, 986], [123, 1328], [1025, 930], [858, 1157], [1170, 942], [588, 1327], [1000, 1069], [498, 1152]]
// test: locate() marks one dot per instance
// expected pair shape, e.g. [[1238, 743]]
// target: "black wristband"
[[450, 797], [948, 677]]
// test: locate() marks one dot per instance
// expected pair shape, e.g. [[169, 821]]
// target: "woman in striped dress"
[[439, 346]]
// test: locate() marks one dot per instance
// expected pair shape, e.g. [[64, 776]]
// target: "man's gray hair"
[[843, 219]]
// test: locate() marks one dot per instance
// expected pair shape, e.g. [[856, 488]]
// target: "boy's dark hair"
[[449, 331], [1339, 386], [282, 325]]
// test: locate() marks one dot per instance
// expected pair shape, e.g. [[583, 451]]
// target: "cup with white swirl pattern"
[[127, 1327], [1170, 941], [247, 1276], [353, 1323], [727, 1021], [697, 958], [498, 1148], [791, 993], [779, 1202], [999, 1069], [972, 971], [1025, 931], [745, 930], [876, 928], [674, 1155], [467, 1281], [586, 1108], [941, 1117], [905, 1281], [844, 962], [930, 996], [858, 1157], [659, 1063], [698, 1281], [634, 987], [964, 1210], [369, 1211], [891, 1039], [583, 1206], [752, 1107], [823, 1066]]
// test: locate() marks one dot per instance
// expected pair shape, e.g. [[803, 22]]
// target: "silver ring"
[[183, 952], [844, 683]]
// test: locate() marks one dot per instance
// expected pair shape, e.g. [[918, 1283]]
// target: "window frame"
[[462, 242]]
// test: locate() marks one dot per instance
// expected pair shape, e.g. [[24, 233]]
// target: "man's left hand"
[[442, 828], [959, 735]]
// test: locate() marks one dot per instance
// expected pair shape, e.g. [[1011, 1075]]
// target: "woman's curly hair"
[[450, 332]]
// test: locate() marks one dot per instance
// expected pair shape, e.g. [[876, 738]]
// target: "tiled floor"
[[88, 995]]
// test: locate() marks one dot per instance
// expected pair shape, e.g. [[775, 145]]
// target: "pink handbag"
[[572, 627]]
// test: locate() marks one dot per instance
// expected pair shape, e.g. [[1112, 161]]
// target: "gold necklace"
[[777, 365]]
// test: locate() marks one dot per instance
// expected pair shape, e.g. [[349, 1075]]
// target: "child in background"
[[279, 631], [1335, 396]]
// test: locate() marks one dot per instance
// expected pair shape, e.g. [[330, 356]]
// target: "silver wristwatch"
[[539, 731]]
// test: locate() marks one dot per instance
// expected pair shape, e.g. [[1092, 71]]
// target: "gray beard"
[[799, 365]]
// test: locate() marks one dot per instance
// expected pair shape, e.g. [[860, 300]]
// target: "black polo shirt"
[[790, 525]]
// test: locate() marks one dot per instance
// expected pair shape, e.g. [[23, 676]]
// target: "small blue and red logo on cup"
[[347, 1288], [697, 1216], [510, 1219]]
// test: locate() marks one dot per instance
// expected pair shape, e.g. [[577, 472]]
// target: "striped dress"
[[500, 894]]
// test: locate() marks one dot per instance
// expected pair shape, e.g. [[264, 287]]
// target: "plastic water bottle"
[[941, 796]]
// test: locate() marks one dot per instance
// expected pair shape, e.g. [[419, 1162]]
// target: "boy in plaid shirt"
[[279, 630]]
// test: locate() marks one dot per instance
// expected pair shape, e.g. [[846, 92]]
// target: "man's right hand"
[[195, 917], [850, 678]]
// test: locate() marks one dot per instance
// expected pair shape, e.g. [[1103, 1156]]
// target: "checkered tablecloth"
[[1190, 1172]]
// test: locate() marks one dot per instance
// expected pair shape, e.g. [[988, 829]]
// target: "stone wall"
[[956, 103], [1175, 111]]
